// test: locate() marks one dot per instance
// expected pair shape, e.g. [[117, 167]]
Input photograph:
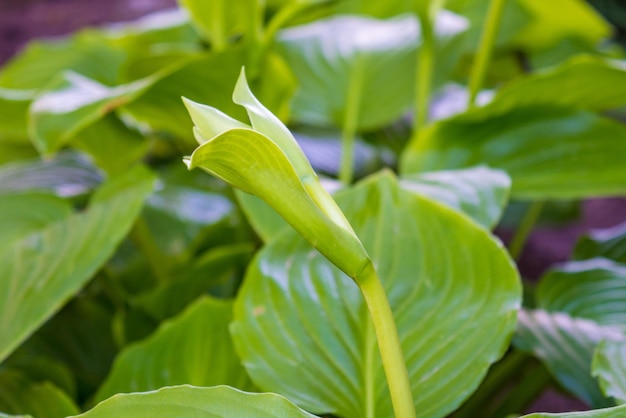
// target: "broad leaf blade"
[[549, 152], [302, 329], [357, 64], [40, 272], [609, 366], [609, 243], [566, 345], [479, 192], [616, 412], [593, 289], [192, 348], [186, 401]]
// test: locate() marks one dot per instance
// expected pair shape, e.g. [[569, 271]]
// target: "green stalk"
[[218, 36], [388, 343], [485, 50], [348, 130], [525, 227], [424, 76]]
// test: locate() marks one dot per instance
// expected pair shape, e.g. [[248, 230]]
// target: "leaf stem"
[[388, 343], [525, 227], [485, 49], [348, 130], [425, 65]]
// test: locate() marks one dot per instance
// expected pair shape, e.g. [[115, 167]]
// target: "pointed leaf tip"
[[209, 121]]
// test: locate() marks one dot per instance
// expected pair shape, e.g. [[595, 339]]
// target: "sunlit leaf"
[[192, 348], [19, 395], [479, 192], [359, 66], [41, 271], [72, 103], [185, 401], [302, 328], [14, 106], [549, 152]]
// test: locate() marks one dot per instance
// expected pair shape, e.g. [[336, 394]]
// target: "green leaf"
[[583, 82], [187, 401], [566, 345], [192, 348], [302, 328], [14, 106], [558, 19], [211, 269], [357, 64], [18, 219], [219, 21], [609, 366], [549, 152], [86, 53], [609, 243], [66, 175], [73, 102], [593, 289], [479, 192], [40, 399], [616, 412], [41, 271]]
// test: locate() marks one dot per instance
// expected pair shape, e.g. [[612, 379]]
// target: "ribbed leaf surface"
[[566, 345], [189, 401], [302, 329], [609, 366], [41, 271], [608, 243]]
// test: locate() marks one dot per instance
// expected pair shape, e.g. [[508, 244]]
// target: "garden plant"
[[285, 208]]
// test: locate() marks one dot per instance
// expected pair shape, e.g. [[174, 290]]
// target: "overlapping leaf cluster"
[[121, 271]]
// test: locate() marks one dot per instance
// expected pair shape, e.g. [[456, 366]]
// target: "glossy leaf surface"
[[565, 345], [72, 103], [594, 289], [548, 152], [192, 348], [41, 271], [357, 67], [609, 243], [66, 175], [302, 329], [609, 366], [186, 401], [479, 192]]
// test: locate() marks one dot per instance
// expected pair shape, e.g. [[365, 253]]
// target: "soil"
[[23, 20]]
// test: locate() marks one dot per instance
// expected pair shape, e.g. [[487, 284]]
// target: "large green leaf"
[[13, 106], [359, 67], [583, 82], [86, 53], [41, 271], [566, 346], [616, 412], [302, 328], [219, 21], [609, 366], [189, 401], [593, 289], [71, 103], [66, 175], [192, 348], [479, 192], [19, 395], [609, 243], [549, 152]]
